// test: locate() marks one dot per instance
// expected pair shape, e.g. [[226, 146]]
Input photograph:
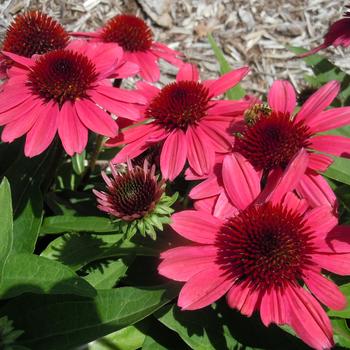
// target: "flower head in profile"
[[136, 199], [135, 37], [338, 35], [186, 118], [32, 33], [65, 90], [271, 138], [267, 256]]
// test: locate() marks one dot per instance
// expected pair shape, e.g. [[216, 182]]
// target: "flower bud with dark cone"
[[136, 199]]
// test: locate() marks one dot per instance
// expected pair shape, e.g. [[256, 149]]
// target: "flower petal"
[[149, 69], [321, 220], [273, 308], [330, 119], [336, 145], [206, 188], [204, 288], [281, 97], [196, 226], [319, 162], [333, 262], [173, 155], [188, 71], [241, 181]]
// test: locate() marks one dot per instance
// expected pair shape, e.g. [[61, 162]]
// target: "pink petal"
[[308, 319], [204, 288], [149, 69], [13, 97], [42, 133], [282, 97], [336, 241], [319, 162], [131, 151], [330, 119], [241, 181], [119, 108], [181, 263], [200, 152], [291, 176], [173, 155], [291, 201], [227, 81], [147, 90], [115, 93], [336, 145], [316, 190], [188, 72], [223, 208], [95, 118], [126, 69], [228, 108], [221, 140], [196, 226], [333, 262], [206, 188], [24, 61], [273, 308], [325, 290], [321, 220], [318, 101], [206, 204], [73, 133], [243, 298]]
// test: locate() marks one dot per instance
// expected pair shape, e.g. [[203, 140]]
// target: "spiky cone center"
[[270, 141], [265, 246], [134, 194], [130, 32], [179, 105], [62, 75], [34, 33]]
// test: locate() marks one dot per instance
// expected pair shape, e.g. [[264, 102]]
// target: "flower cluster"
[[264, 228]]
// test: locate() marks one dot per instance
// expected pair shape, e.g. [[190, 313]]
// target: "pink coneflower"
[[338, 35], [268, 256], [136, 38], [32, 33], [135, 199], [184, 115], [274, 136], [64, 91]]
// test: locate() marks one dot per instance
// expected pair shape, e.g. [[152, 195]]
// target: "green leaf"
[[108, 274], [341, 332], [6, 229], [128, 338], [63, 322], [27, 224], [345, 313], [31, 273], [78, 161], [69, 223], [237, 92], [339, 170]]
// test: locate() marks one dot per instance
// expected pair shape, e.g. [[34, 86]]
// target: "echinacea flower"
[[32, 33], [268, 256], [188, 120], [64, 90], [134, 36], [271, 138], [136, 199], [338, 35]]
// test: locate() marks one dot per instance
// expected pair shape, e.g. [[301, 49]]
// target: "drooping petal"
[[149, 69], [227, 108], [42, 133], [23, 61], [326, 291], [188, 71], [318, 101], [281, 97], [273, 308], [206, 204], [241, 181], [321, 220], [206, 188], [204, 288], [336, 241], [72, 132], [95, 118], [122, 95], [334, 262], [308, 319], [200, 152], [221, 140], [330, 119], [173, 155], [227, 81], [147, 90], [181, 263], [196, 226], [319, 162], [336, 145], [223, 208], [291, 201]]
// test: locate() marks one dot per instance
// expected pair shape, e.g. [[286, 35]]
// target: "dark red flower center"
[[129, 31], [134, 194], [271, 140], [34, 33], [179, 105], [62, 75], [265, 245]]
